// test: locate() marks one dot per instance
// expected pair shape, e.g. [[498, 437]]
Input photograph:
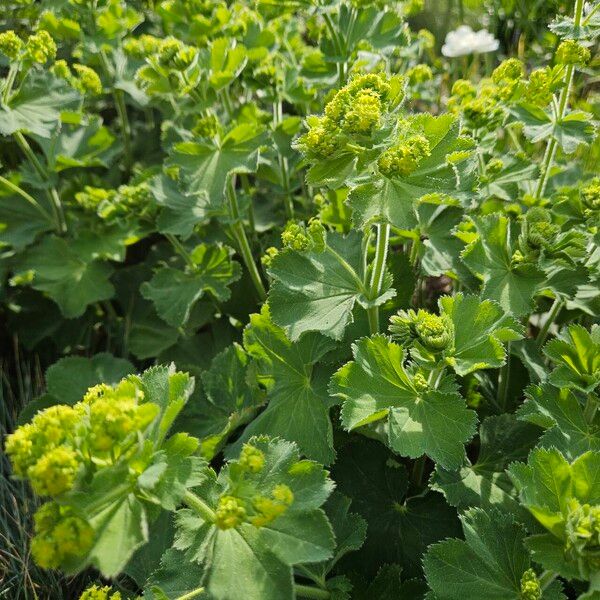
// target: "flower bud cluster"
[[86, 79], [582, 529], [590, 197], [301, 238], [100, 593], [538, 90], [353, 114], [419, 74], [126, 200], [530, 586], [206, 127], [507, 76], [537, 231], [571, 52], [433, 332], [59, 535], [39, 47], [403, 159]]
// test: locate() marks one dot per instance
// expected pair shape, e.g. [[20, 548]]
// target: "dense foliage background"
[[354, 257]]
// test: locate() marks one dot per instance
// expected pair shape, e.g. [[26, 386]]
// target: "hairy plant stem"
[[307, 591], [591, 407], [503, 380], [339, 46], [52, 193], [180, 249], [546, 578], [418, 470], [543, 333], [119, 99], [283, 165], [21, 192], [377, 274], [10, 80], [193, 594], [198, 505], [226, 98], [552, 144], [239, 233]]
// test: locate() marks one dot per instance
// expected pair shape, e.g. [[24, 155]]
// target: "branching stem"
[[377, 274]]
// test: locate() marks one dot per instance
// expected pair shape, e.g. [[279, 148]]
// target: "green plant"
[[334, 264]]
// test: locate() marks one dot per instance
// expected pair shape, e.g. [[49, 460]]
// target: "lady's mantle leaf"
[[513, 286], [298, 408], [392, 200], [175, 292], [489, 563], [376, 386], [316, 291]]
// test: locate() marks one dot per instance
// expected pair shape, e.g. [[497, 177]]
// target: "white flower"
[[464, 40]]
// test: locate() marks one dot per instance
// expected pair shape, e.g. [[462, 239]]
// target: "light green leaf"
[[480, 328], [488, 564], [577, 356], [393, 200], [376, 386], [175, 292], [36, 107], [71, 279], [561, 414], [205, 167], [316, 291], [513, 286], [298, 408]]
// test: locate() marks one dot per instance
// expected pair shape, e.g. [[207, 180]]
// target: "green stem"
[[227, 102], [18, 190], [435, 375], [10, 80], [41, 171], [546, 578], [414, 252], [180, 249], [125, 127], [192, 594], [197, 504], [503, 379], [543, 333], [552, 145], [591, 407], [307, 591], [239, 234], [337, 42], [381, 249], [416, 476]]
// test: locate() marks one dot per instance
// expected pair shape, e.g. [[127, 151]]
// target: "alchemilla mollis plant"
[[318, 306]]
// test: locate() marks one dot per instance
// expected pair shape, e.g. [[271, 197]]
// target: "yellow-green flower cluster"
[[403, 159], [40, 47], [115, 413], [100, 593], [582, 529], [354, 113], [10, 44], [538, 89], [530, 586], [267, 258], [230, 512], [42, 452], [590, 197], [434, 332], [571, 52], [251, 459], [507, 76], [206, 127], [126, 200], [59, 535], [86, 79], [419, 74], [142, 46], [51, 450], [300, 238], [268, 509]]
